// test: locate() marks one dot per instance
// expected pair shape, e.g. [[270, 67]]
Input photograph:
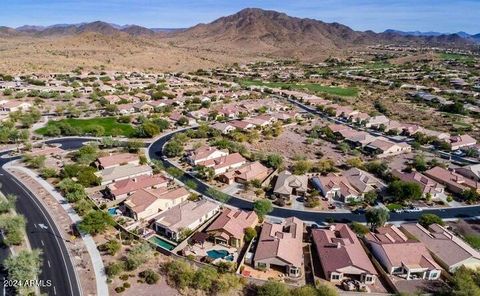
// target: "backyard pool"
[[112, 211], [222, 254], [162, 243]]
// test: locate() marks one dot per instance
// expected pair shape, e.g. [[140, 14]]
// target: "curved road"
[[155, 152], [42, 231]]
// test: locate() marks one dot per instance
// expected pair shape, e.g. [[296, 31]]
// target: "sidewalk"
[[96, 259]]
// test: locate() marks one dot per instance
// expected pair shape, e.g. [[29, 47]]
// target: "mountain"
[[413, 33], [271, 32], [137, 30]]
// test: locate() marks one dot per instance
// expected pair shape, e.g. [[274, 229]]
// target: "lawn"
[[393, 206], [313, 87], [108, 123]]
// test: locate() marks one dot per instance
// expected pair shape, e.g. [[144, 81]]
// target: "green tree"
[[370, 197], [262, 207], [134, 146], [377, 217], [429, 219], [25, 266], [272, 288], [138, 255], [205, 173], [404, 190], [204, 278], [465, 282], [274, 161], [111, 247], [13, 229], [250, 233], [301, 167], [173, 149], [96, 222], [150, 276]]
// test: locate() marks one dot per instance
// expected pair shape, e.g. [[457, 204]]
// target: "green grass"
[[313, 87], [108, 123], [457, 57], [394, 206], [473, 240]]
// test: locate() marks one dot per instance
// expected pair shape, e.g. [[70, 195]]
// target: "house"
[[259, 121], [470, 171], [229, 227], [394, 125], [288, 185], [246, 173], [280, 245], [14, 106], [337, 128], [188, 215], [143, 107], [224, 128], [336, 187], [224, 163], [342, 255], [242, 125], [436, 134], [363, 181], [428, 186], [449, 250], [454, 182], [204, 153], [401, 256], [377, 121], [125, 109], [382, 147], [118, 173], [121, 189], [462, 141], [145, 203], [357, 138], [360, 118], [114, 160]]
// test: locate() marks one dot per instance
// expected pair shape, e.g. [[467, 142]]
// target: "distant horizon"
[[441, 16]]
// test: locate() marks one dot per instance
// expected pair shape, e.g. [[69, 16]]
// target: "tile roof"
[[132, 184], [234, 222], [283, 241], [445, 245], [117, 159], [339, 247]]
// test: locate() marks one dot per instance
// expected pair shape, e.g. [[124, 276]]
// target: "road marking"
[[54, 290], [42, 226], [48, 262], [32, 197], [41, 241], [35, 225]]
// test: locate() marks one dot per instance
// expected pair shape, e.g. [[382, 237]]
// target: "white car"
[[413, 210]]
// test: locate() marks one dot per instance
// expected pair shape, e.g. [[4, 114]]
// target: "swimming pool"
[[223, 254], [161, 243], [112, 211]]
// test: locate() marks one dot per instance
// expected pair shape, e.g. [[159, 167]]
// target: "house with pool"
[[280, 247], [188, 215], [229, 227]]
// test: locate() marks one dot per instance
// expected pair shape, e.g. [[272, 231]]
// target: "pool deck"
[[201, 251]]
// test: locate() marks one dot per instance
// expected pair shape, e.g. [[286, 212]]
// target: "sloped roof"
[[338, 247], [234, 222]]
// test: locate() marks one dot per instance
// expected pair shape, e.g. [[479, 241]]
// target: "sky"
[[378, 15]]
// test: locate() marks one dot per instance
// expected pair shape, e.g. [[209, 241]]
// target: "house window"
[[368, 278], [335, 277], [433, 274]]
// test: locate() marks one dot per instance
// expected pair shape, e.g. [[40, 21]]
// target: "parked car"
[[413, 210]]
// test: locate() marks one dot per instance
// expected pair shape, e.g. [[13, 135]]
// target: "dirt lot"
[[292, 145]]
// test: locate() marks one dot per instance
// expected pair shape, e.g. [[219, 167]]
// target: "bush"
[[359, 228], [150, 276], [111, 247], [250, 233], [114, 269], [428, 219], [96, 222], [124, 277], [119, 289]]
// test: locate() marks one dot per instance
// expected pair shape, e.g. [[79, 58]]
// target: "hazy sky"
[[377, 15]]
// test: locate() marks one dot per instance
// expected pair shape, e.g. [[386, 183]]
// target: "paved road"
[[42, 232], [155, 152]]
